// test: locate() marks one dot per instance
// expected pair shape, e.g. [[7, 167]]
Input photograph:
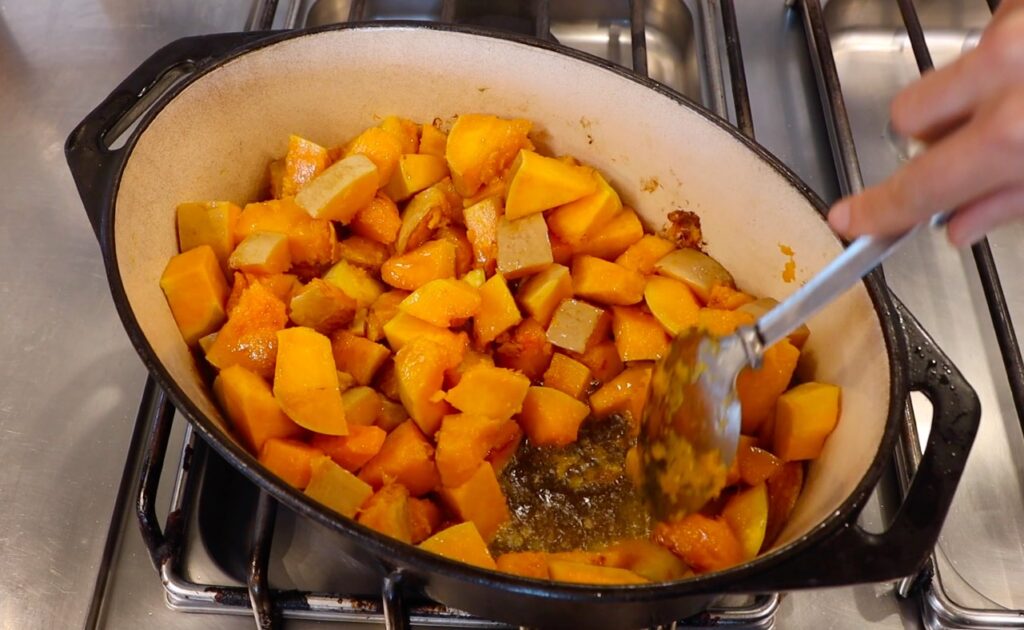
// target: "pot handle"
[[95, 166], [852, 555]]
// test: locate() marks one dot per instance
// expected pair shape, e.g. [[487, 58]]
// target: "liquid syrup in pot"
[[573, 497]]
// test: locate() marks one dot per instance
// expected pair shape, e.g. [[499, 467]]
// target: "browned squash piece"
[[379, 220], [489, 391], [760, 389], [387, 511], [647, 559], [406, 131], [471, 358], [638, 336], [530, 564], [508, 439], [602, 359], [727, 297], [783, 490], [210, 223], [342, 190], [541, 294], [304, 161], [249, 338], [746, 512], [321, 306], [352, 451], [337, 488], [703, 543], [539, 183], [382, 310], [432, 140], [310, 241], [551, 417], [419, 368], [358, 356], [355, 282], [498, 311], [482, 220], [362, 405], [425, 213], [463, 442], [642, 255], [585, 218], [440, 302], [415, 172], [626, 393], [196, 292], [306, 381], [404, 328], [565, 571], [567, 375], [250, 406], [456, 235], [290, 460], [560, 250], [424, 519], [480, 147], [672, 303], [605, 282], [364, 252], [382, 148], [479, 500], [463, 543], [527, 350], [523, 246], [430, 261], [756, 465], [406, 457], [577, 325], [804, 418]]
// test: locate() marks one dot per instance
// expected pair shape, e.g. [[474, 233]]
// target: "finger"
[[973, 221], [1004, 10]]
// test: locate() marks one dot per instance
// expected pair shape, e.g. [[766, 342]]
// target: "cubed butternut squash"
[[321, 306], [249, 338], [406, 457], [783, 490], [306, 381], [378, 220], [647, 559], [310, 241], [290, 460], [462, 543], [342, 190], [567, 375], [566, 571], [471, 358], [441, 301], [699, 271], [387, 511], [530, 564], [381, 148], [479, 500], [337, 488], [210, 223], [523, 246], [719, 322], [432, 140], [415, 172], [642, 255], [404, 328], [196, 292], [413, 269], [759, 389], [577, 325], [489, 391], [703, 543], [605, 282], [507, 442], [672, 303], [638, 336], [355, 282], [614, 237], [527, 350], [560, 250], [541, 294], [585, 218], [727, 297], [463, 442], [391, 415], [406, 131], [480, 147], [551, 417], [262, 253], [425, 213], [352, 451], [603, 360], [746, 513], [364, 252], [539, 183], [358, 356], [362, 405], [482, 220], [626, 394], [304, 161], [419, 368], [424, 519], [251, 408], [804, 418], [381, 311], [498, 311], [755, 465]]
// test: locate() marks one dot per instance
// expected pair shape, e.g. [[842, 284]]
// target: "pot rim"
[[404, 555]]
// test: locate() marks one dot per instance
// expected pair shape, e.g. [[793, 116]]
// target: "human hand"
[[971, 116]]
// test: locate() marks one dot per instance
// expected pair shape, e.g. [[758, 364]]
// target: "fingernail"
[[839, 217], [965, 238]]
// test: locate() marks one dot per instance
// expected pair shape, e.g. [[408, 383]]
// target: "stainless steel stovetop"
[[70, 385]]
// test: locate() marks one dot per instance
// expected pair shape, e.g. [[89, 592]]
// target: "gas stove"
[[810, 82]]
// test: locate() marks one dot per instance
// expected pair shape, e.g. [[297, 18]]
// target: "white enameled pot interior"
[[215, 139]]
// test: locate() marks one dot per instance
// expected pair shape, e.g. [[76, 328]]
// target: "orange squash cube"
[[358, 356], [430, 261], [560, 250], [432, 140], [463, 441], [565, 571], [509, 437], [583, 219], [263, 253], [353, 450], [638, 336], [605, 282], [463, 543], [387, 511], [439, 302], [379, 220], [528, 350], [498, 311], [551, 417], [759, 389], [424, 519], [290, 460], [336, 487], [719, 322], [479, 500], [304, 161], [642, 255], [425, 213], [362, 405], [576, 325], [804, 418], [480, 147], [541, 294], [321, 306], [672, 303], [196, 292], [310, 241], [539, 183], [783, 490], [523, 246], [531, 564], [364, 252], [306, 381], [383, 309], [482, 220], [382, 148], [355, 282], [703, 543], [210, 223], [602, 359], [406, 457], [728, 297], [647, 559], [419, 368], [489, 391], [415, 172], [614, 237], [567, 375], [746, 513], [249, 338], [471, 358], [755, 465], [342, 190], [406, 131], [626, 393], [404, 328], [251, 408]]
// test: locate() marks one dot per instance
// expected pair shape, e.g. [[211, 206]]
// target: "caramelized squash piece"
[[804, 418], [704, 544], [642, 255], [527, 350], [310, 241], [210, 223], [672, 303], [602, 359], [479, 500], [577, 325], [523, 246], [647, 559], [699, 271], [746, 512], [362, 405], [406, 457], [382, 310], [567, 375], [415, 172], [583, 219], [614, 237], [336, 487], [605, 282], [358, 356], [471, 358], [304, 161], [638, 336], [196, 292], [463, 442], [352, 451], [426, 212], [364, 252], [480, 147], [355, 282], [249, 338], [565, 571], [551, 417], [456, 235], [783, 490], [440, 302], [342, 190], [290, 460], [424, 519], [306, 381], [759, 389], [541, 294], [531, 564], [404, 328], [419, 368], [432, 140], [482, 230], [539, 183], [498, 311], [382, 148], [489, 391], [262, 253], [404, 130], [379, 220], [387, 511], [430, 261], [462, 543], [321, 306], [251, 408], [626, 393], [508, 439], [755, 465]]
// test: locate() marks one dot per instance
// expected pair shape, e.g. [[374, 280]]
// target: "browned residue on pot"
[[789, 269], [649, 184], [683, 229], [586, 124]]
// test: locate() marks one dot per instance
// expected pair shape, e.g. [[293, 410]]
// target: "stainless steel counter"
[[70, 382]]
